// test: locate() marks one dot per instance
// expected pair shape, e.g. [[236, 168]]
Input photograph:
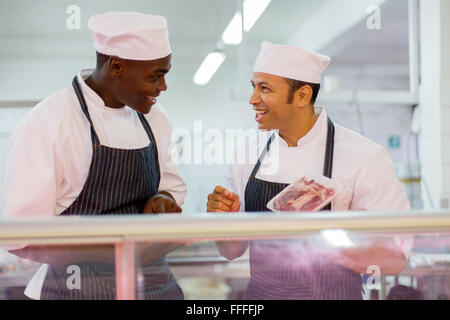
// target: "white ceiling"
[[195, 26], [39, 55], [389, 45], [36, 29]]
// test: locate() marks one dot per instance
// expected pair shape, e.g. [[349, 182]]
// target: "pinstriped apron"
[[120, 181], [289, 269]]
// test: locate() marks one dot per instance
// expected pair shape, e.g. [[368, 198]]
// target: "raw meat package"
[[307, 194]]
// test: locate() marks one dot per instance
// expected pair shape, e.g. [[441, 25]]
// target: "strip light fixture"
[[233, 34], [253, 9], [209, 66]]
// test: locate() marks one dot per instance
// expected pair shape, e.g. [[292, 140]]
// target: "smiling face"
[[270, 101], [138, 83]]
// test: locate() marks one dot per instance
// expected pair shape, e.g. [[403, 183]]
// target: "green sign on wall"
[[394, 142]]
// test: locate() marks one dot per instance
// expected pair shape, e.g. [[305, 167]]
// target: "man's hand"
[[151, 251], [162, 202], [222, 200], [380, 252]]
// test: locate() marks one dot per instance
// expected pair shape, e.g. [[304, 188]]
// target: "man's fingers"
[[225, 192], [172, 209], [209, 208], [222, 200], [176, 209], [235, 206], [160, 206], [219, 205], [230, 195], [220, 190], [215, 206], [219, 198], [165, 206]]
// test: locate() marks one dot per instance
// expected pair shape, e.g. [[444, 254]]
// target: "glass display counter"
[[337, 256]]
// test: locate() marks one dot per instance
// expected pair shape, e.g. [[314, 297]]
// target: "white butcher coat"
[[50, 153], [362, 167]]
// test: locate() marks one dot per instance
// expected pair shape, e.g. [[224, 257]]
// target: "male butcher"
[[286, 81]]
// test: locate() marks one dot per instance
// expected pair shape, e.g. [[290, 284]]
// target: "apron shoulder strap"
[[147, 127], [261, 157], [328, 161], [79, 93], [152, 139]]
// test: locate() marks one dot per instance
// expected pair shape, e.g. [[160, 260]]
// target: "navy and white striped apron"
[[289, 269], [120, 181]]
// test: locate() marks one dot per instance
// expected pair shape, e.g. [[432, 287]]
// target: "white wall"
[[435, 102]]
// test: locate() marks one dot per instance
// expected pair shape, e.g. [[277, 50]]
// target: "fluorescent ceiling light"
[[233, 33], [253, 9], [208, 67]]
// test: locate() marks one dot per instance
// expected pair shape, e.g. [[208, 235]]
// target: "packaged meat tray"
[[307, 194]]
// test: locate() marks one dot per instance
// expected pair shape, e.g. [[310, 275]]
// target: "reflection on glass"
[[305, 267]]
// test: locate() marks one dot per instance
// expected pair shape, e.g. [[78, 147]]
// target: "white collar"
[[317, 131], [94, 99]]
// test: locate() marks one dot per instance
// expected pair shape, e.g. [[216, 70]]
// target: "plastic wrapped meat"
[[304, 195]]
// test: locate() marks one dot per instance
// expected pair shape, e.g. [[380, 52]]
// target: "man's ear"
[[304, 95], [115, 67]]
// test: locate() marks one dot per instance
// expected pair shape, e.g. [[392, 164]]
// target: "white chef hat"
[[130, 35], [291, 62]]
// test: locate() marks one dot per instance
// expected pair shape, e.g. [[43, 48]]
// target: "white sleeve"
[[239, 171], [171, 180], [376, 186], [378, 189], [233, 182], [30, 173]]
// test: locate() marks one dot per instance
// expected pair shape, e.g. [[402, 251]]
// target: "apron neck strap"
[[328, 162], [147, 127], [261, 157], [79, 93]]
